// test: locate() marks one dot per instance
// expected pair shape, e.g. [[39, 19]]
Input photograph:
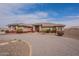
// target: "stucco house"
[[19, 26], [48, 26], [37, 27]]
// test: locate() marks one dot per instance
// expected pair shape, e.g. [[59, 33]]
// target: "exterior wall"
[[25, 29], [59, 28], [11, 28], [44, 28], [40, 28], [37, 28], [15, 28], [33, 29], [51, 29]]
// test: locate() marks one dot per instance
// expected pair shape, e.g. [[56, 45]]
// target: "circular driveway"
[[48, 44]]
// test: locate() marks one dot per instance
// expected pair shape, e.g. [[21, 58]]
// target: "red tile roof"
[[49, 24], [30, 25]]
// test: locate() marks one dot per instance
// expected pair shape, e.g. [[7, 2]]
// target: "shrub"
[[7, 31], [46, 30], [60, 33], [19, 31]]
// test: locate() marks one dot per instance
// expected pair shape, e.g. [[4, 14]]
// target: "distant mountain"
[[73, 27]]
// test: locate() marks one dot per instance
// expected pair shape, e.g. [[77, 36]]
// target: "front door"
[[37, 28]]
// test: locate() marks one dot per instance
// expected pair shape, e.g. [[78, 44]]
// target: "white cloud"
[[36, 15], [8, 9], [41, 14], [28, 18], [70, 21], [7, 16]]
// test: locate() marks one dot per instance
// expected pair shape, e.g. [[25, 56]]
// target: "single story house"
[[19, 26], [37, 27]]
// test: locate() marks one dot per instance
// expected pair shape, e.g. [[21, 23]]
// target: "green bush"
[[46, 30], [19, 31]]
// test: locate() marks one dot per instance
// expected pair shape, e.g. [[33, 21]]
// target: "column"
[[33, 28], [40, 29], [56, 28]]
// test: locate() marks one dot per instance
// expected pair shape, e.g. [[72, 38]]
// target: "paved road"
[[48, 44]]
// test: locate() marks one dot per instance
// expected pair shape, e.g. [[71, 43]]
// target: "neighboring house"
[[37, 27]]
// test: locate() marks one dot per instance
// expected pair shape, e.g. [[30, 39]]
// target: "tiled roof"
[[49, 24], [30, 25], [20, 24]]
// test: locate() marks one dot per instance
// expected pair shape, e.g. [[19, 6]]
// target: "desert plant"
[[46, 30], [7, 31], [59, 33], [2, 30], [19, 31]]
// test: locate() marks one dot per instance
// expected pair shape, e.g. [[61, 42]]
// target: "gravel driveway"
[[48, 44]]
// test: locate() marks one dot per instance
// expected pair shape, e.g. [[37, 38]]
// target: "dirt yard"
[[72, 33], [47, 44]]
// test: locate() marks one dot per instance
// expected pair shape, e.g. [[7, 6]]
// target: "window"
[[59, 28]]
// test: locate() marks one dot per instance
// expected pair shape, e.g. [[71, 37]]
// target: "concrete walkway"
[[48, 44]]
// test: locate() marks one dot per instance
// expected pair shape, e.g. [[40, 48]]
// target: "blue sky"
[[63, 13]]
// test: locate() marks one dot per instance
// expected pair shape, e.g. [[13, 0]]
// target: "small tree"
[[19, 30]]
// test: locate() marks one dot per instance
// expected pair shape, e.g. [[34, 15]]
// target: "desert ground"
[[47, 44], [72, 33]]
